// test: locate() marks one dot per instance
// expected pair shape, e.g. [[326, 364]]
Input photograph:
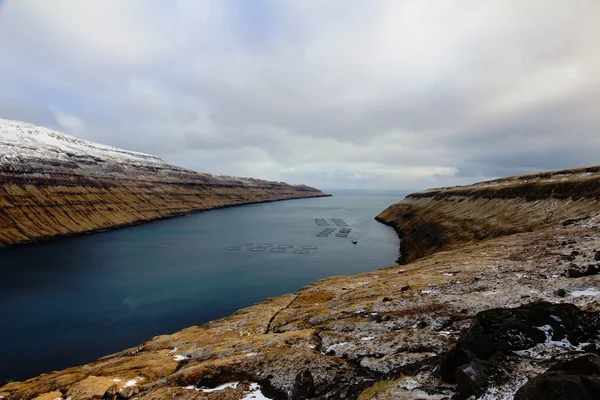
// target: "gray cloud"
[[331, 93]]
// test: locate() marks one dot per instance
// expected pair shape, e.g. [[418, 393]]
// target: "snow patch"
[[585, 292], [503, 392], [180, 357], [254, 393], [22, 140], [367, 338], [232, 385], [490, 293], [409, 384], [133, 382], [334, 346]]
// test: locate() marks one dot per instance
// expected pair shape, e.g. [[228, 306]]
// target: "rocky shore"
[[54, 185], [498, 299]]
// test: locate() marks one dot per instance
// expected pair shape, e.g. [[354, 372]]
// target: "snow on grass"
[[230, 385], [334, 346], [490, 293], [180, 357], [133, 382], [503, 392], [550, 348], [585, 292], [409, 383], [254, 393]]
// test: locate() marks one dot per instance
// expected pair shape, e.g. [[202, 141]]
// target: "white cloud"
[[69, 123], [337, 93]]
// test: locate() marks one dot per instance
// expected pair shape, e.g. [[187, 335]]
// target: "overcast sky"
[[336, 94]]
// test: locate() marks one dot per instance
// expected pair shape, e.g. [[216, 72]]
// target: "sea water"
[[69, 301]]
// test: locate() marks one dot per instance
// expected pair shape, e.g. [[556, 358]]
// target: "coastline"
[[408, 331], [142, 222]]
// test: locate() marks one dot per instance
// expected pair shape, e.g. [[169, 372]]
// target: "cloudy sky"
[[333, 93]]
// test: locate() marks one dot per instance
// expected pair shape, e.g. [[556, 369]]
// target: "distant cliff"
[[53, 184], [442, 219]]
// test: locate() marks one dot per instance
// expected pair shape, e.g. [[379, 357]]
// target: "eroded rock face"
[[441, 219], [53, 184]]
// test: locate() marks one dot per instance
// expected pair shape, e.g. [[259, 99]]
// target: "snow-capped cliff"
[[52, 184], [20, 141]]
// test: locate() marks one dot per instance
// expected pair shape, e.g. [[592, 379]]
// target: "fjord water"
[[69, 301]]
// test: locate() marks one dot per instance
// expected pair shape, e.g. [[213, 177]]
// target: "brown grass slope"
[[39, 203]]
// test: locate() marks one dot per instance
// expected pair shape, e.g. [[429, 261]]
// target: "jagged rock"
[[304, 386], [497, 332], [574, 273], [577, 379], [503, 330], [111, 393], [471, 379], [561, 292], [597, 256]]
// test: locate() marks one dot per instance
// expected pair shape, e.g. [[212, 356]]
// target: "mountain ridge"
[[55, 185]]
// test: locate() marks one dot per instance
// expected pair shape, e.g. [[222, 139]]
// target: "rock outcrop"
[[481, 318], [53, 184]]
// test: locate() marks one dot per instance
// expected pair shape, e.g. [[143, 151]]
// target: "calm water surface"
[[70, 301]]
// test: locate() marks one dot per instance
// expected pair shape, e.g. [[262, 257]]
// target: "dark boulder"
[[508, 329], [574, 273], [304, 386], [494, 334], [561, 292], [471, 379], [577, 379]]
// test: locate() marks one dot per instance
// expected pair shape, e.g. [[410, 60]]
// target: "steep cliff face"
[[442, 219], [53, 184]]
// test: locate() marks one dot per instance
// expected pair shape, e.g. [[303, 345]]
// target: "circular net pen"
[[302, 251]]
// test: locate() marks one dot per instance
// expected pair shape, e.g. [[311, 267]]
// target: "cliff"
[[515, 311], [53, 184], [441, 219]]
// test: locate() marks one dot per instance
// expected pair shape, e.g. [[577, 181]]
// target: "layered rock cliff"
[[441, 219], [494, 315], [53, 184]]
